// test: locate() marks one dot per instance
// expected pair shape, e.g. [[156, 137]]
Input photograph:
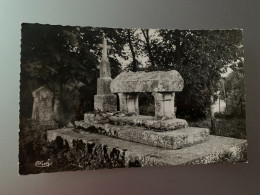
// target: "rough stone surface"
[[96, 118], [170, 140], [42, 104], [156, 81], [215, 150], [164, 104], [149, 122], [105, 103], [103, 86]]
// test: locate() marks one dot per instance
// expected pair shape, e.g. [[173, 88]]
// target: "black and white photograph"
[[102, 98]]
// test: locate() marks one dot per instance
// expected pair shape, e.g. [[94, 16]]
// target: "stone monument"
[[104, 101], [162, 85], [145, 140], [45, 109]]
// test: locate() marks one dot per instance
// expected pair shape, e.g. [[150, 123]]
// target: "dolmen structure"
[[162, 85], [156, 140]]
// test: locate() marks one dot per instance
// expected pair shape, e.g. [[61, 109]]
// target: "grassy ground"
[[234, 127]]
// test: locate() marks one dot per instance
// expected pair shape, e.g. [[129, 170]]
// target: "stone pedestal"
[[105, 103]]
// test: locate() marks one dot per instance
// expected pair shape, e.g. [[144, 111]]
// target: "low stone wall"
[[94, 151], [93, 154]]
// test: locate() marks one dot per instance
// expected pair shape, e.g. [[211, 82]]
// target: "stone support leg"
[[122, 102], [164, 104]]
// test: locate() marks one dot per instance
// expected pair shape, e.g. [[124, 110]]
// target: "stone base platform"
[[168, 139], [215, 150], [149, 122]]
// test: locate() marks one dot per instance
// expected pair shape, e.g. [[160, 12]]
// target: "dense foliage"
[[235, 90]]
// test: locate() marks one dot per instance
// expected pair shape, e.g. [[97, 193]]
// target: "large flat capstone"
[[156, 81], [169, 139], [216, 149]]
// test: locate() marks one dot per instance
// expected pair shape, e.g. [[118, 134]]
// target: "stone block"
[[170, 139], [150, 122], [105, 103]]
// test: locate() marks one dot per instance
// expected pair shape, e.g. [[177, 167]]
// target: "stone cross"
[[104, 67], [104, 101], [105, 48]]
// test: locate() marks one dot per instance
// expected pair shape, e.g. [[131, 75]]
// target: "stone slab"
[[216, 150], [169, 139], [150, 122], [155, 81]]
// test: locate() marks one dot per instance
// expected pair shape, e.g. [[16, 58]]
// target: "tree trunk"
[[177, 54], [225, 96], [148, 46], [212, 117], [134, 63]]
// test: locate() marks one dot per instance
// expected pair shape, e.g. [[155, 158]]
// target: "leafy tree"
[[200, 57], [235, 89]]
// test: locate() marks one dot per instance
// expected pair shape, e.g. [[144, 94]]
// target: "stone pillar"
[[105, 101], [137, 103], [129, 102], [122, 102], [164, 104], [158, 104]]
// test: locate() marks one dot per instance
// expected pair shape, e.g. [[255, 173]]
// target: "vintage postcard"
[[102, 98]]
